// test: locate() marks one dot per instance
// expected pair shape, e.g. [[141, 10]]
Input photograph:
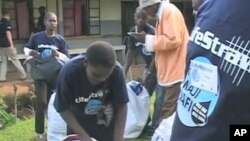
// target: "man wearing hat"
[[169, 44]]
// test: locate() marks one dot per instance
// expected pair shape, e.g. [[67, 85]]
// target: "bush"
[[24, 108], [5, 117], [24, 101]]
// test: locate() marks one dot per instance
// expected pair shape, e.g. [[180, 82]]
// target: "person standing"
[[170, 46], [7, 49], [45, 44], [40, 23], [215, 92], [135, 47]]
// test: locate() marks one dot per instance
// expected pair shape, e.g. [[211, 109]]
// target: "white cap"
[[146, 3]]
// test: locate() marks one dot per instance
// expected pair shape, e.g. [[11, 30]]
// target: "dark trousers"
[[165, 103], [43, 92], [150, 83]]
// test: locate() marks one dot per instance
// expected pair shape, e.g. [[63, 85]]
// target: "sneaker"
[[41, 137]]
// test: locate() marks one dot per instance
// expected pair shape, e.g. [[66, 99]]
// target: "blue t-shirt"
[[216, 92], [40, 41], [86, 100], [4, 27], [132, 44]]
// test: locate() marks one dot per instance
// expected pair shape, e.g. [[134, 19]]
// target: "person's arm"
[[151, 70], [120, 120], [40, 23], [9, 37], [29, 48], [71, 121], [65, 98], [128, 60], [63, 52], [131, 50], [64, 48], [172, 31], [120, 99]]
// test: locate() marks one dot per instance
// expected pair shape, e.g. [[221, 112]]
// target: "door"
[[128, 10]]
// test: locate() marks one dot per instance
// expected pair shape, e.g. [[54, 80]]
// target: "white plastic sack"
[[57, 128], [138, 109], [164, 131]]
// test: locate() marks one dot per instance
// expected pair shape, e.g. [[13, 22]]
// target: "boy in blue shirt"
[[91, 95]]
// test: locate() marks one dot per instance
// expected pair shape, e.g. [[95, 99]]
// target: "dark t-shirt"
[[4, 27], [40, 24], [216, 92], [86, 100], [40, 41], [134, 45]]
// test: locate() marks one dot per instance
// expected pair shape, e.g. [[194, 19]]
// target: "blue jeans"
[[158, 104]]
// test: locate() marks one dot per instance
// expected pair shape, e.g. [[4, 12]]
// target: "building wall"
[[111, 27], [110, 14], [110, 23], [110, 10], [110, 17], [52, 5]]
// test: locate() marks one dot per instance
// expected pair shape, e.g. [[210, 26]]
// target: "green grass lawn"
[[23, 130]]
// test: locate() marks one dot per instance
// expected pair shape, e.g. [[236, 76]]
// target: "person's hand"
[[33, 53], [55, 52], [139, 36], [12, 51], [12, 46]]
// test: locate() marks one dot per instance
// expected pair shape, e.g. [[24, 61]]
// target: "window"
[[81, 17], [19, 18], [72, 17], [93, 18], [35, 5]]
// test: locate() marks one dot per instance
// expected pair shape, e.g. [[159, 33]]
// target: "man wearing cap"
[[169, 44]]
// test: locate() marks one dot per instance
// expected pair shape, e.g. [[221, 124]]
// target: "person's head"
[[42, 10], [6, 14], [150, 6], [140, 17], [50, 21], [100, 61]]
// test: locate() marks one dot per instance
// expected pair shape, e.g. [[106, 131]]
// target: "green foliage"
[[9, 102], [6, 118], [24, 101]]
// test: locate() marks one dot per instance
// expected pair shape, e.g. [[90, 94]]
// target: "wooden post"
[[60, 17], [15, 99]]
